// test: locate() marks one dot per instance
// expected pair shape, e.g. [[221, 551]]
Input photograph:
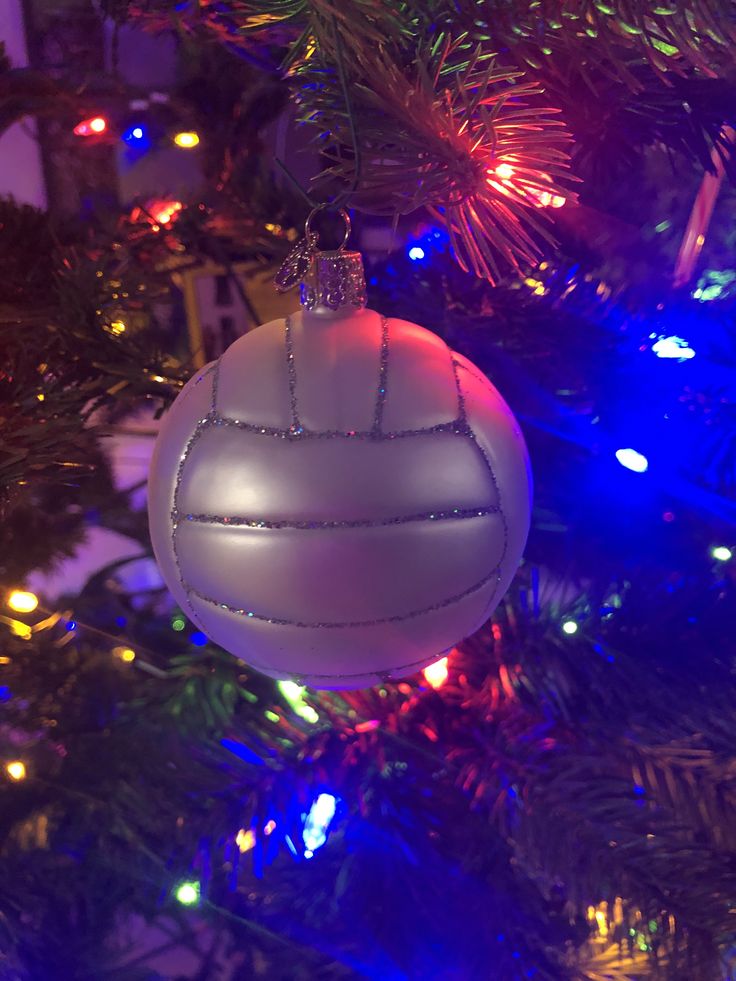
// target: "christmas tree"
[[546, 187]]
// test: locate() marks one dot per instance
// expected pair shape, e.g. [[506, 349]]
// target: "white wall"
[[21, 174]]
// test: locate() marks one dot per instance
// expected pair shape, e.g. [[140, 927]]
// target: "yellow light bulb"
[[245, 840], [22, 601], [16, 770], [186, 139], [117, 327], [126, 654]]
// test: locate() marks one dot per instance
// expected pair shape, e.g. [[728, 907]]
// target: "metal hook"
[[343, 214]]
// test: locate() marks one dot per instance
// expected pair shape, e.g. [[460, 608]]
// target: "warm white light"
[[16, 770], [22, 601], [436, 674]]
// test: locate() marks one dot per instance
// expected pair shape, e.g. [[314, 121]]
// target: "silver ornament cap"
[[329, 282], [334, 280]]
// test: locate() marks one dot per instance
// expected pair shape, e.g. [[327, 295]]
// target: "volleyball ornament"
[[340, 498]]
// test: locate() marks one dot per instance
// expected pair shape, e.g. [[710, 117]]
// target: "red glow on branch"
[[503, 177], [91, 127]]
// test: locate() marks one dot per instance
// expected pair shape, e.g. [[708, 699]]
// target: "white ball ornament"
[[340, 498]]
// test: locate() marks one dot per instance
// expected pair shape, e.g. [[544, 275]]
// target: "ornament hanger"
[[309, 234]]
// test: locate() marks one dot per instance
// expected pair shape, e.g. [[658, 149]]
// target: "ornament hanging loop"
[[334, 280], [309, 234]]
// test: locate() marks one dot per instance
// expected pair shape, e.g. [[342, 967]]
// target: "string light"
[[117, 327], [164, 211], [632, 460], [188, 893], [416, 252], [569, 627], [198, 638], [721, 553], [16, 770], [294, 695], [318, 822], [672, 347], [436, 674], [187, 139], [500, 176], [245, 840], [22, 601], [134, 135], [126, 654], [269, 827], [91, 127], [178, 623]]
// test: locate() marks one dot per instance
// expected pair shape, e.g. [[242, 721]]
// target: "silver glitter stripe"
[[240, 522], [215, 385], [453, 426], [461, 413], [201, 426], [291, 368], [484, 456], [348, 624], [474, 374], [382, 379]]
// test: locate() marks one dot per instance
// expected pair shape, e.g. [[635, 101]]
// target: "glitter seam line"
[[456, 514], [451, 426], [382, 379], [291, 370], [348, 624]]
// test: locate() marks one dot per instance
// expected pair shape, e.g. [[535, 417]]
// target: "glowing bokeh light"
[[126, 654], [91, 127], [16, 770], [22, 601], [673, 347], [134, 135], [245, 839], [632, 460], [569, 627], [436, 674], [416, 252], [317, 823], [187, 139], [188, 893], [721, 553]]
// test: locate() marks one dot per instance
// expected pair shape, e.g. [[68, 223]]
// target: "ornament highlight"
[[339, 499]]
